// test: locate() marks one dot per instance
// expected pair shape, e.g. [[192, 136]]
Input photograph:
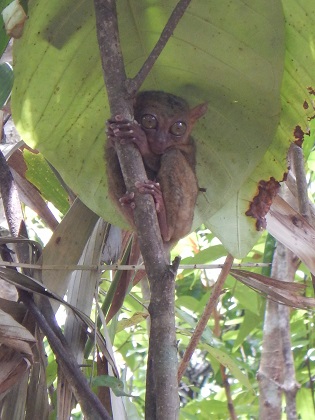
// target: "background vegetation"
[[261, 63]]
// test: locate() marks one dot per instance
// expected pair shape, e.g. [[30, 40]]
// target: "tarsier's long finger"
[[128, 200], [122, 130], [153, 188], [149, 186]]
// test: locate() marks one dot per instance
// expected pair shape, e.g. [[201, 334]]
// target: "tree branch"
[[227, 387], [205, 316], [276, 371], [162, 397], [12, 209], [133, 85], [301, 184], [162, 400], [129, 156]]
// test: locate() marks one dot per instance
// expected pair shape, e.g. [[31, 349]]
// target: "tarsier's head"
[[166, 119]]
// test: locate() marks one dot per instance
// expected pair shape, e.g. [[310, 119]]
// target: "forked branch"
[[133, 85], [162, 390]]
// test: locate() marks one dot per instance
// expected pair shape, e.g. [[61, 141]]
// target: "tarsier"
[[161, 131]]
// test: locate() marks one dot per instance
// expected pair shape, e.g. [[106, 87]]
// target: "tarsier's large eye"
[[178, 129], [148, 121]]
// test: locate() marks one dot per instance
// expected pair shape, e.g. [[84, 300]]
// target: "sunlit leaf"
[[223, 358], [207, 334], [40, 174], [6, 82], [115, 384], [250, 322], [213, 56], [130, 322]]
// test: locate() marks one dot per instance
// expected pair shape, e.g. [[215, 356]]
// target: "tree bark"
[[276, 372], [162, 390]]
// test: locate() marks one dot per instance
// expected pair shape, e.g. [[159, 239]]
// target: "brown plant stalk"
[[217, 288]]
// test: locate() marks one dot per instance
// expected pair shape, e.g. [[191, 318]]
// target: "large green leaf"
[[231, 54], [6, 82], [41, 175]]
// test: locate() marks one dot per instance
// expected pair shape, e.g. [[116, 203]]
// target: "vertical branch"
[[225, 379], [12, 208], [290, 385], [129, 156], [301, 184], [276, 372], [162, 401], [162, 390], [228, 394], [270, 373]]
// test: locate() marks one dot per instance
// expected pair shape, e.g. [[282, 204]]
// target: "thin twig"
[[121, 267], [225, 379], [12, 208], [133, 85], [228, 393], [205, 316]]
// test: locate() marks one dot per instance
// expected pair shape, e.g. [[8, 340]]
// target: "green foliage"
[[254, 101], [114, 384], [238, 346], [6, 82], [41, 175], [63, 115]]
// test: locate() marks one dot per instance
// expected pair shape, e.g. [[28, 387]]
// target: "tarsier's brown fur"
[[161, 131]]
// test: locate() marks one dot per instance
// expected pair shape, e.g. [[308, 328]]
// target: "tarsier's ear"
[[198, 112]]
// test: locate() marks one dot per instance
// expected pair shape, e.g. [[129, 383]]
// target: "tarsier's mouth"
[[159, 150]]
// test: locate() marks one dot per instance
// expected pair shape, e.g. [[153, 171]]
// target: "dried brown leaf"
[[277, 290], [12, 368], [11, 329], [31, 285], [292, 230]]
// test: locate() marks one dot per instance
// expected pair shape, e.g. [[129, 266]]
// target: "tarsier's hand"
[[124, 131]]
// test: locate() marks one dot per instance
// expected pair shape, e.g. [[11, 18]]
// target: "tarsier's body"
[[161, 131]]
